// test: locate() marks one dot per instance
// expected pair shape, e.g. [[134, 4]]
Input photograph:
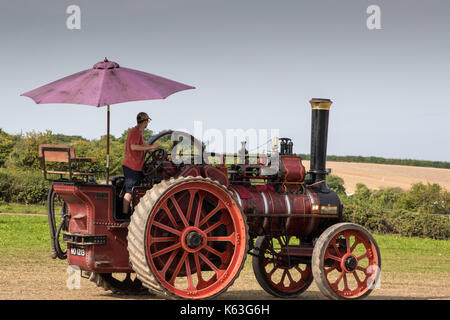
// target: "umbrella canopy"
[[105, 84]]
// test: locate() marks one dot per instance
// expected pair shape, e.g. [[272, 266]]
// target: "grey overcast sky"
[[254, 63]]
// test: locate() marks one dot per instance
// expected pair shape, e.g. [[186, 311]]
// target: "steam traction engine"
[[193, 225]]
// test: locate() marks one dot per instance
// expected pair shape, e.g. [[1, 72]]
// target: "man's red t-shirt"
[[134, 159]]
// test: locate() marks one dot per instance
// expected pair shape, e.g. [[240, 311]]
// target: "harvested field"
[[376, 176]]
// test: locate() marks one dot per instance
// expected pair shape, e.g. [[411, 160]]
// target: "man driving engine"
[[134, 157]]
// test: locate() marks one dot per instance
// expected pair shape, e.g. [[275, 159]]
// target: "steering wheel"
[[153, 161], [158, 155]]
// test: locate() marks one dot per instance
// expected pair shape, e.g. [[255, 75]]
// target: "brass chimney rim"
[[320, 104]]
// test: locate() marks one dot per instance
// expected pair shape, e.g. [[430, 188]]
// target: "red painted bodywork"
[[91, 208]]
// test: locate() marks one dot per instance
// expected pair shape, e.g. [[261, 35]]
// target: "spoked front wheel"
[[346, 262]]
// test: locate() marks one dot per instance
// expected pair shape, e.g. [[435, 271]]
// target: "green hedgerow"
[[409, 213], [23, 187]]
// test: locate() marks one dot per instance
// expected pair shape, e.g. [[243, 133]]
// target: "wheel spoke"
[[336, 249], [214, 251], [231, 238], [357, 279], [296, 267], [169, 214], [282, 278], [168, 263], [199, 209], [211, 214], [191, 203], [327, 271], [161, 239], [361, 269], [167, 228], [330, 256], [346, 288], [180, 212], [166, 250], [280, 242], [189, 276], [269, 274], [215, 225], [209, 263], [177, 269], [199, 271], [289, 276], [355, 244], [347, 241], [336, 283], [362, 256]]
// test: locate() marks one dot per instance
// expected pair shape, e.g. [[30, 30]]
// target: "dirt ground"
[[41, 278]]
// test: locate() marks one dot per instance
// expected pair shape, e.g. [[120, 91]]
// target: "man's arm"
[[144, 147]]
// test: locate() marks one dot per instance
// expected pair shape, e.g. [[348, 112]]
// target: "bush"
[[7, 143], [23, 187], [390, 210], [24, 154], [429, 198], [6, 181], [415, 224], [336, 184]]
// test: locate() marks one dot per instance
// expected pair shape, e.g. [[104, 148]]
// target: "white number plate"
[[78, 252]]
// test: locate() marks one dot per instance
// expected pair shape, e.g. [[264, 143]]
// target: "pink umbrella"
[[105, 84]]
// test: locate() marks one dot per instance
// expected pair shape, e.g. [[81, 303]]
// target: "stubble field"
[[376, 176]]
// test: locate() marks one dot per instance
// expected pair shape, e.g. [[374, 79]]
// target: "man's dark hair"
[[142, 116]]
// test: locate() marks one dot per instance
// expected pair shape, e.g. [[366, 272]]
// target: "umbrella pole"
[[107, 146]]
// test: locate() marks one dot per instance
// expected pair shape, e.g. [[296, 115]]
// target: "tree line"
[[380, 160]]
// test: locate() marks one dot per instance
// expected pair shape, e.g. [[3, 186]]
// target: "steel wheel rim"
[[351, 270], [171, 255]]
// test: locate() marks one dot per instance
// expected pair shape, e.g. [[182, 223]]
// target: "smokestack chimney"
[[319, 134]]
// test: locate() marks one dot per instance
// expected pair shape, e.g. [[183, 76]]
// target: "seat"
[[66, 164]]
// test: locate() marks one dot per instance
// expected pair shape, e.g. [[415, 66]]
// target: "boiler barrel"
[[270, 212]]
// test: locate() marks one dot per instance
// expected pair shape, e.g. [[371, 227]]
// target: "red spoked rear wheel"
[[279, 274], [195, 238], [346, 262]]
